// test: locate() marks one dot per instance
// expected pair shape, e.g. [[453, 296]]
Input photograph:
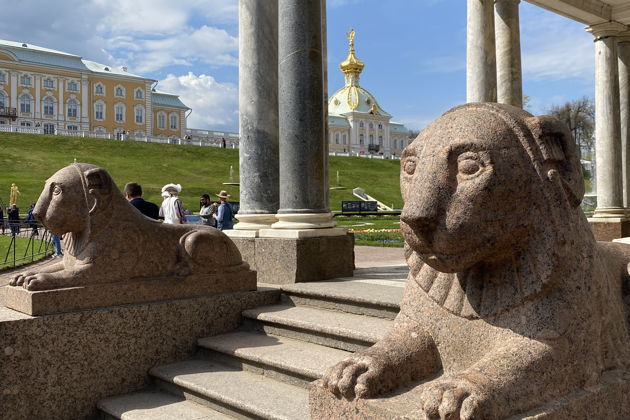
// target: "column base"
[[608, 212], [609, 228], [303, 221], [254, 221], [301, 233], [294, 260]]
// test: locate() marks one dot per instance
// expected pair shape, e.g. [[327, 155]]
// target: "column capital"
[[624, 36], [606, 29]]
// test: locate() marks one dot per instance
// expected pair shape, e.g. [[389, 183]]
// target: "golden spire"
[[351, 66]]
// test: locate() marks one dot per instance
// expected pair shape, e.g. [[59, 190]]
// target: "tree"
[[579, 116]]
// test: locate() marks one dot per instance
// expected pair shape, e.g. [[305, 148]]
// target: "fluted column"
[[481, 72], [623, 51], [303, 149], [607, 121], [258, 114], [508, 47]]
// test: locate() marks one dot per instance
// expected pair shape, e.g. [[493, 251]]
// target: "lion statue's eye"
[[468, 166], [410, 166], [56, 190]]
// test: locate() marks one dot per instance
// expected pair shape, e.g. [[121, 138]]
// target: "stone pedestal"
[[298, 258], [598, 402], [609, 228], [129, 292]]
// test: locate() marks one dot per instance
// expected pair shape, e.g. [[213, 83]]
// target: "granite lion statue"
[[107, 240], [511, 305]]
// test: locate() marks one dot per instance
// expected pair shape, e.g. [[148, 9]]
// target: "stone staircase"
[[263, 369]]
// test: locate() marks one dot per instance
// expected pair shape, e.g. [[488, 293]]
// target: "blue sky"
[[414, 50]]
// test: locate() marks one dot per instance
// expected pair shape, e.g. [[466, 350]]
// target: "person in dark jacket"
[[13, 213], [133, 193]]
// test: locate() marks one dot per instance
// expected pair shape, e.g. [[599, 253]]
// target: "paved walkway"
[[377, 256]]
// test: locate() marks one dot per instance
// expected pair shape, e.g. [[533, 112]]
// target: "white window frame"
[[4, 76], [46, 80], [136, 114], [121, 106], [25, 105], [26, 124], [121, 89], [4, 97], [24, 81], [74, 111], [345, 139], [46, 102], [170, 121], [70, 84], [336, 138], [361, 139], [96, 105], [96, 89], [161, 120], [100, 129], [138, 94], [72, 127]]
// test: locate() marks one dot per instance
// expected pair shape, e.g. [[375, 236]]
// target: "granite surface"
[[510, 304], [58, 366], [282, 261]]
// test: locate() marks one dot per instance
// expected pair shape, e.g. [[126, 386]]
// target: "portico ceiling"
[[589, 12]]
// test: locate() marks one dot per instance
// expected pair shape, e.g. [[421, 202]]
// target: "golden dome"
[[351, 66]]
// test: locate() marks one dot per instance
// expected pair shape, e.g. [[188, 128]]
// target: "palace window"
[[139, 114], [49, 106], [361, 124], [72, 128], [99, 111], [395, 144], [173, 119], [161, 119], [25, 80], [25, 124], [337, 138], [371, 138], [49, 128], [139, 94], [371, 125], [3, 99], [3, 77], [49, 83], [73, 86], [25, 103], [72, 108], [380, 140], [119, 91], [345, 139], [98, 89], [100, 130], [119, 112], [380, 126], [361, 139]]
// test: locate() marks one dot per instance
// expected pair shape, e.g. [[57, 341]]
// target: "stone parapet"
[[57, 367], [607, 229]]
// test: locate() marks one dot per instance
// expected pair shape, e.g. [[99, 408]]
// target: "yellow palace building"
[[48, 91]]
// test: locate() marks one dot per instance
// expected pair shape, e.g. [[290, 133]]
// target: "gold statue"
[[350, 36], [14, 194]]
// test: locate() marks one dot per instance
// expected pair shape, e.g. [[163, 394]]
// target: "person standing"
[[2, 218], [13, 213], [224, 214], [172, 209], [57, 242], [133, 194], [208, 210]]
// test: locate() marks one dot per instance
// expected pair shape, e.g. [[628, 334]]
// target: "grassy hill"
[[29, 159]]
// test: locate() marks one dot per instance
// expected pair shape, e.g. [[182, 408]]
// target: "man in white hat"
[[224, 214], [172, 209]]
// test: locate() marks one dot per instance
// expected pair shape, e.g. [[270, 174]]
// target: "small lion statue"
[[511, 304], [107, 240]]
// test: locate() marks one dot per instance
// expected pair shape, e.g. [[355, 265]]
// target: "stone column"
[[258, 114], [607, 121], [623, 51], [303, 149], [481, 72], [508, 46]]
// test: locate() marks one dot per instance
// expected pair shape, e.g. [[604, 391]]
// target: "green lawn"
[[20, 248], [28, 159]]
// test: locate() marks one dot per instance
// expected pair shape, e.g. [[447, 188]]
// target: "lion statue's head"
[[491, 186], [76, 200]]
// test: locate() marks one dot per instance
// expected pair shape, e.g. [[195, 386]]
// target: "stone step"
[[375, 292], [291, 361], [230, 391], [155, 405], [340, 330]]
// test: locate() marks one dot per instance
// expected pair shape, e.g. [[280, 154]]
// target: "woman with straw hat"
[[172, 210], [224, 214]]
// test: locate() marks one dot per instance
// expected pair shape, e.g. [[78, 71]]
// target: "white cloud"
[[214, 104]]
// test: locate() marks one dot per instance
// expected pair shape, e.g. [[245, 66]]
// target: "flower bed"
[[378, 237]]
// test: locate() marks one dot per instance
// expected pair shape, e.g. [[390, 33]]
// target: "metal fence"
[[39, 243]]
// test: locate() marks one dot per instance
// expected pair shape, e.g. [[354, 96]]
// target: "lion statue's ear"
[[559, 154], [99, 184]]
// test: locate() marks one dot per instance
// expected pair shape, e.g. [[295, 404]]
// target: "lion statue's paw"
[[452, 398], [41, 281], [356, 377], [18, 279]]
